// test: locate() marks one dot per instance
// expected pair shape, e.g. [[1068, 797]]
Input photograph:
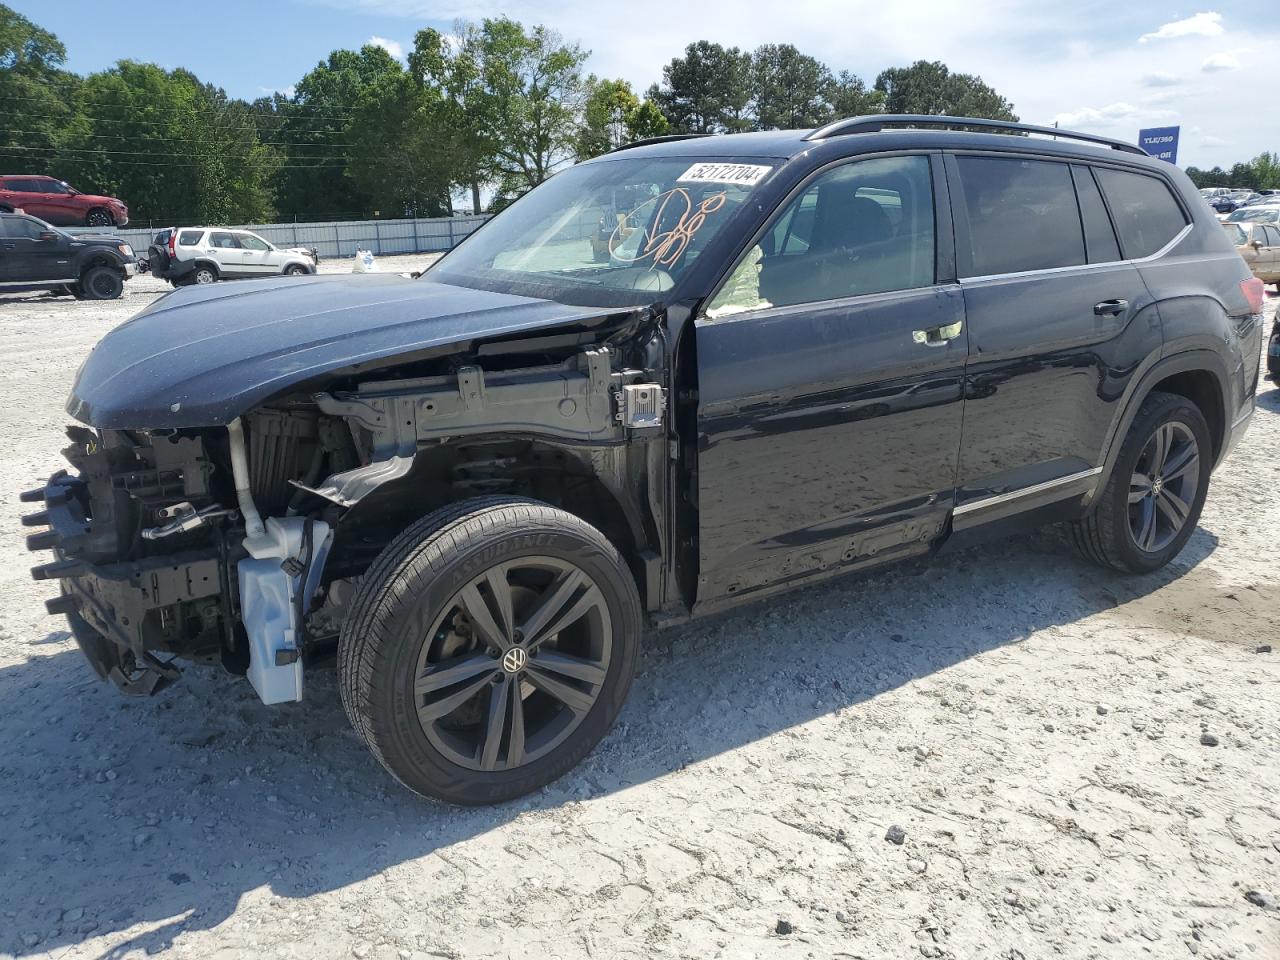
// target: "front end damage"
[[240, 543]]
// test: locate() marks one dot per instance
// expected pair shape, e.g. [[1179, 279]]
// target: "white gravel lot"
[[1033, 726]]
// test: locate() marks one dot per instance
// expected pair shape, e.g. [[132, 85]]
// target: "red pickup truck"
[[59, 203]]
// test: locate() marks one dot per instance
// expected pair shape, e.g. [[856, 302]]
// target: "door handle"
[[937, 336], [1110, 308]]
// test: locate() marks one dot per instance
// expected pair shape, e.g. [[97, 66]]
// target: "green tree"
[[397, 158], [533, 85], [931, 88], [708, 90], [448, 69], [850, 97], [790, 88], [646, 121], [614, 116], [608, 104], [35, 95], [314, 178], [174, 148]]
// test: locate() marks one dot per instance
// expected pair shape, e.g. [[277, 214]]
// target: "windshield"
[[613, 233], [1256, 215], [1236, 234]]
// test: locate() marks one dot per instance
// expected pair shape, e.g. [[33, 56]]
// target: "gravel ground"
[[1002, 753]]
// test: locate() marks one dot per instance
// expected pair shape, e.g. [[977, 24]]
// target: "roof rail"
[[667, 139], [875, 123]]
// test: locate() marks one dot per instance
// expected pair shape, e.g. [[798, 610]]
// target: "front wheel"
[[98, 218], [489, 649], [101, 283], [296, 270], [1152, 502]]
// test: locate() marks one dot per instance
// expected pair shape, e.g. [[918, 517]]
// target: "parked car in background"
[[1255, 213], [1259, 245], [481, 485], [185, 255], [57, 202], [34, 255], [1223, 202]]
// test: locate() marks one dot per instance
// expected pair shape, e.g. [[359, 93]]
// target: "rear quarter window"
[[189, 238], [1146, 214], [1022, 216]]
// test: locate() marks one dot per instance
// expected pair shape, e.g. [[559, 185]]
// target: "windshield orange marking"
[[667, 246]]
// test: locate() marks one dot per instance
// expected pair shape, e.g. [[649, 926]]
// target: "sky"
[[1104, 66]]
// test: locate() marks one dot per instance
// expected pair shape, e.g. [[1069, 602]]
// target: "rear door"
[[830, 368], [226, 251], [1057, 322]]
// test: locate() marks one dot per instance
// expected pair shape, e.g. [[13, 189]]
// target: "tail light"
[[173, 239], [1253, 289]]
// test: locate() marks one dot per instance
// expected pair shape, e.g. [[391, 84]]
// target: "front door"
[[257, 253], [830, 368], [30, 257], [225, 249]]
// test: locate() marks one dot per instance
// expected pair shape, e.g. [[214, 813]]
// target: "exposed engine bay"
[[239, 544]]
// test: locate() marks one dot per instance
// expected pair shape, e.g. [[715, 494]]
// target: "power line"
[[94, 152], [203, 140], [325, 165], [283, 112]]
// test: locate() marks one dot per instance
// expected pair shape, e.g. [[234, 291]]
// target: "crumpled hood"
[[202, 355]]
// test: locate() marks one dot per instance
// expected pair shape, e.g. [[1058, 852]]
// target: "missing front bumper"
[[125, 615]]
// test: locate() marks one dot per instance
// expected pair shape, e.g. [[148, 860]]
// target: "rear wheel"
[[1152, 502], [204, 274], [489, 649], [101, 283], [97, 217]]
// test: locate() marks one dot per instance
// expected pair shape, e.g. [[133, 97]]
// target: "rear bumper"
[[118, 611]]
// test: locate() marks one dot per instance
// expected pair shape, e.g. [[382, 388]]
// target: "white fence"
[[341, 238]]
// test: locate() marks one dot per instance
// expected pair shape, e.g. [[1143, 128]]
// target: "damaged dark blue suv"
[[689, 373]]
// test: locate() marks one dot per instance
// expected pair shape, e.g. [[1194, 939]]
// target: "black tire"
[[409, 619], [101, 283], [97, 217], [203, 273], [295, 270], [1163, 517]]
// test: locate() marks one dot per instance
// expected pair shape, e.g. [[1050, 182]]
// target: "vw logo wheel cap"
[[514, 660]]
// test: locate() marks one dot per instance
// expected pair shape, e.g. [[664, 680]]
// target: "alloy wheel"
[[514, 663], [1162, 489], [99, 218]]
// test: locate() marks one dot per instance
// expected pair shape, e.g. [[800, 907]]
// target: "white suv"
[[205, 254]]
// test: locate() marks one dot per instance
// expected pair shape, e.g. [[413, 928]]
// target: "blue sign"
[[1160, 142]]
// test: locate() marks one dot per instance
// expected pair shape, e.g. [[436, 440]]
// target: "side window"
[[1271, 236], [24, 228], [1099, 236], [189, 238], [223, 241], [864, 227], [1022, 216], [249, 242], [1146, 214]]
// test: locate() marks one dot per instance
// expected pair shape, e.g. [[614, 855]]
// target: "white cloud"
[[391, 46], [286, 91], [1221, 61], [1050, 60], [1200, 25]]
